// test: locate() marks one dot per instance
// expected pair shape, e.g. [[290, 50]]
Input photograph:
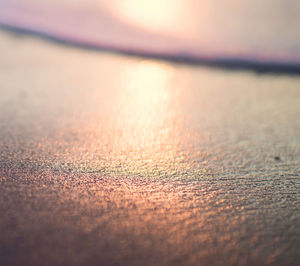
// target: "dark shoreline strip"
[[185, 59]]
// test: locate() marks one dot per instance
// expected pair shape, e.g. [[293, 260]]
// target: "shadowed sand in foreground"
[[112, 160]]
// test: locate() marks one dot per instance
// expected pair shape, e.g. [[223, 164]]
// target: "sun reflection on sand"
[[145, 114], [138, 127]]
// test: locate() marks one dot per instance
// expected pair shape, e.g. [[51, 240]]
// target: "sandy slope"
[[108, 160]]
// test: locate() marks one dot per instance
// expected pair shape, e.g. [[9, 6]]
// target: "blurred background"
[[232, 29]]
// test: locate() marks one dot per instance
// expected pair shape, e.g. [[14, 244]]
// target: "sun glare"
[[156, 15]]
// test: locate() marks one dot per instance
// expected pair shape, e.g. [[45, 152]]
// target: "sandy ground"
[[111, 160]]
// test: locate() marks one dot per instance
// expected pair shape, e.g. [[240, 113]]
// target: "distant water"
[[255, 31]]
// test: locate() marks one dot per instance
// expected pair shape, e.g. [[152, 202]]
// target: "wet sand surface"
[[114, 160]]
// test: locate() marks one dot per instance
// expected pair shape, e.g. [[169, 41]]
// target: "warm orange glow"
[[147, 84], [156, 15]]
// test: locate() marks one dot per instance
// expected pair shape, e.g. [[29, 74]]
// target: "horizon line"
[[260, 67]]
